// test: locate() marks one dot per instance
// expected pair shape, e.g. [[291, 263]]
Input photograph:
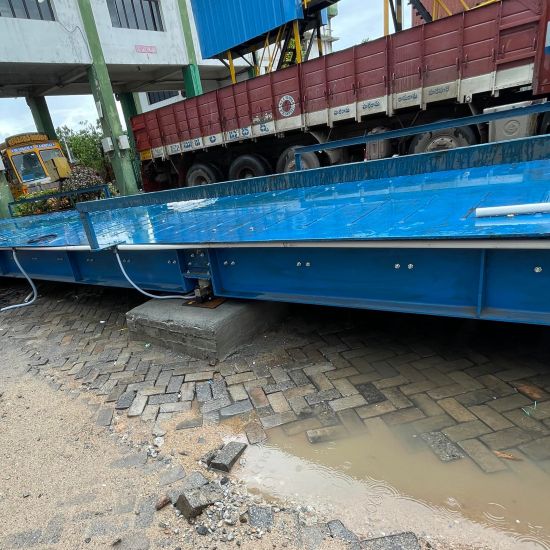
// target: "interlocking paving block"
[[163, 398], [506, 439], [377, 409], [301, 426], [456, 410], [172, 475], [25, 539], [203, 332], [187, 391], [192, 502], [492, 418], [442, 446], [260, 517], [255, 433], [520, 419], [510, 402], [226, 457], [402, 541], [199, 376], [312, 536], [104, 416], [538, 449], [278, 402], [349, 402], [482, 456], [125, 400], [351, 421], [300, 406], [236, 408], [339, 531], [237, 392], [371, 393], [403, 416], [328, 395], [433, 423], [541, 411], [178, 407], [330, 433], [476, 397], [133, 541], [204, 392], [466, 430], [194, 422]]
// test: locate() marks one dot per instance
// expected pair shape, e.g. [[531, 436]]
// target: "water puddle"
[[384, 481]]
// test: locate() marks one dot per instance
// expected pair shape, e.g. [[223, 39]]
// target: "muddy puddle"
[[384, 481]]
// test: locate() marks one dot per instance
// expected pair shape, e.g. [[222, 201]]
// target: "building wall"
[[35, 41], [141, 47]]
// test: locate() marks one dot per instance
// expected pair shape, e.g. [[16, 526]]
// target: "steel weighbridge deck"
[[399, 235]]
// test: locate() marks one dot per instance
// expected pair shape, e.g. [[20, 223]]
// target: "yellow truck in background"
[[33, 162]]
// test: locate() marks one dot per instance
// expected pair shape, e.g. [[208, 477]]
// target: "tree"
[[85, 145]]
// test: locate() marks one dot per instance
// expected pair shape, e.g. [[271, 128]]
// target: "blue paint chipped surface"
[[439, 205]]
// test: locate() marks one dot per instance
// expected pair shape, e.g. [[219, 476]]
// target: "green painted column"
[[5, 196], [41, 115], [98, 76], [191, 75], [129, 109]]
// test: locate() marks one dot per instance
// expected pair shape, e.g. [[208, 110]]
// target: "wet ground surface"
[[439, 426]]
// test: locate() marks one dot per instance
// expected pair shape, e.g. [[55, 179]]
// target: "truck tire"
[[440, 140], [248, 166], [286, 162], [203, 174]]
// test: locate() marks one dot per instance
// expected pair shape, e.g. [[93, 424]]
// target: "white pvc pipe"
[[513, 210]]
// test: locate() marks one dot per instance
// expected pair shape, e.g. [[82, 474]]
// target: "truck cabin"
[[27, 159]]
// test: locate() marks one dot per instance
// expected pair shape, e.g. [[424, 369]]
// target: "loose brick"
[[204, 392], [187, 391], [466, 430], [180, 406], [403, 416], [442, 446], [377, 409], [160, 399], [278, 402], [492, 418], [506, 439], [300, 406], [482, 456], [200, 376], [456, 410], [254, 433], [226, 457]]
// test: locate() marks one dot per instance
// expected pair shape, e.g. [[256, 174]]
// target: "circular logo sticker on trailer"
[[287, 105]]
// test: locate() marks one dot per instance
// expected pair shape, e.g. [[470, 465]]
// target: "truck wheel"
[[248, 166], [440, 140], [203, 174], [286, 162]]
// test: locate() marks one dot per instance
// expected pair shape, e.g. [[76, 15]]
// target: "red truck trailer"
[[487, 57]]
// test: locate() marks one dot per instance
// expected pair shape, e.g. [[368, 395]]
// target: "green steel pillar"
[[129, 109], [191, 75], [102, 91], [5, 196], [41, 116]]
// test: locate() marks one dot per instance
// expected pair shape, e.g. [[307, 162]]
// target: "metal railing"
[[413, 130]]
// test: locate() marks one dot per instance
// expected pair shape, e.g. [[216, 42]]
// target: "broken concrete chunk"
[[402, 541], [226, 457], [192, 502], [339, 531], [260, 517], [255, 433]]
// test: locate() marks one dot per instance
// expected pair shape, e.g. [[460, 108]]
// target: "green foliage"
[[85, 145], [82, 177]]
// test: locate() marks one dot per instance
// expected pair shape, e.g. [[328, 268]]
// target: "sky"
[[353, 24]]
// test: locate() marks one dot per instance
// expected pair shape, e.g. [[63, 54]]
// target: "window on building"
[[135, 14], [27, 9], [155, 97]]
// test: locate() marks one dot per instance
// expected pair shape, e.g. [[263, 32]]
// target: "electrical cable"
[[32, 296], [180, 296]]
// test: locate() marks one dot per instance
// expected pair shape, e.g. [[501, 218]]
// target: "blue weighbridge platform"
[[402, 234]]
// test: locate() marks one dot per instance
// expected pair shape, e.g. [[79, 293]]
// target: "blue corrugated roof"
[[225, 24]]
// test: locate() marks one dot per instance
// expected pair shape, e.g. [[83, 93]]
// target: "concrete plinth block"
[[202, 332]]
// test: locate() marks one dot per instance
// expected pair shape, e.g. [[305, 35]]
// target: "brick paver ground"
[[475, 388]]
